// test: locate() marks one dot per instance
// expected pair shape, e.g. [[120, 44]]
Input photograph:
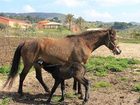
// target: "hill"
[[34, 15]]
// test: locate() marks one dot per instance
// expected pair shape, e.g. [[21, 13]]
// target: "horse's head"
[[110, 41]]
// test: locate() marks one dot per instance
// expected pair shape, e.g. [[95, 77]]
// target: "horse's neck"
[[94, 41]]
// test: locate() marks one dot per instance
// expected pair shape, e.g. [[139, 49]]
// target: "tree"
[[79, 22], [2, 26], [69, 19], [121, 25], [2, 14]]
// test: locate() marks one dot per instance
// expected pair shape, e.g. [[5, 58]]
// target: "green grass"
[[70, 95], [67, 95], [56, 98], [137, 41], [55, 33], [5, 101], [101, 84], [4, 69], [101, 65], [123, 79], [136, 87]]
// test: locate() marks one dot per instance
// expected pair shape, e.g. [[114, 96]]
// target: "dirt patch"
[[128, 51], [118, 93]]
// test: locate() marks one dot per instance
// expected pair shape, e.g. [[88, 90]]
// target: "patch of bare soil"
[[120, 91], [128, 51]]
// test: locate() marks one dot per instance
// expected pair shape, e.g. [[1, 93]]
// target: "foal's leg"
[[74, 85], [79, 88], [62, 90], [22, 77], [57, 82], [39, 77], [86, 85], [85, 82]]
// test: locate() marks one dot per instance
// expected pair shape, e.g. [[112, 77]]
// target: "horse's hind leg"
[[22, 77], [39, 77]]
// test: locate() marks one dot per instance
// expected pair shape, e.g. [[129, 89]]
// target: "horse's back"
[[56, 50]]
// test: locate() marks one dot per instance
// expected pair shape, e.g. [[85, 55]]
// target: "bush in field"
[[2, 26], [101, 65]]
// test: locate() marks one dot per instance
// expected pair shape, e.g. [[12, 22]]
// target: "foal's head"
[[110, 41]]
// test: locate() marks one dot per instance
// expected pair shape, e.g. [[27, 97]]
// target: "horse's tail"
[[14, 67]]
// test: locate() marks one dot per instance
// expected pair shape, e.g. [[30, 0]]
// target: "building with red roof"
[[14, 22]]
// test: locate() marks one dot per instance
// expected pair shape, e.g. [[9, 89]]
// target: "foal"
[[60, 73]]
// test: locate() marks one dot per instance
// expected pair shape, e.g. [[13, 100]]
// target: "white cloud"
[[71, 3], [117, 2], [94, 15], [28, 8]]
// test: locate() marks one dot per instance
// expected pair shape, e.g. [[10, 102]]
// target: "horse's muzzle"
[[116, 51]]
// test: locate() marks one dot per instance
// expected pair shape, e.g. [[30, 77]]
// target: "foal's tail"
[[14, 67]]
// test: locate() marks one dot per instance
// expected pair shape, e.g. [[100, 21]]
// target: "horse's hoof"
[[84, 102], [81, 97], [48, 92], [20, 94]]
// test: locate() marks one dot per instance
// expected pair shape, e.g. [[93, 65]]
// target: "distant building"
[[14, 22], [48, 24]]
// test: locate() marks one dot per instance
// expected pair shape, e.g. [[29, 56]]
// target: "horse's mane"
[[87, 33]]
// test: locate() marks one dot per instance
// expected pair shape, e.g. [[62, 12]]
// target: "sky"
[[90, 10]]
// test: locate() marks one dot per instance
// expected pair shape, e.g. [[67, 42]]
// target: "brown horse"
[[60, 73], [73, 48]]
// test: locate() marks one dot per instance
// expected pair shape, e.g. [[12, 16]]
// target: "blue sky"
[[91, 10]]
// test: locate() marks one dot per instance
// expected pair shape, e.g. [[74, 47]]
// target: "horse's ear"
[[111, 30]]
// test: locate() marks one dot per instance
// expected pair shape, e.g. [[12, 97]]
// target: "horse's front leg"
[[62, 90], [39, 77]]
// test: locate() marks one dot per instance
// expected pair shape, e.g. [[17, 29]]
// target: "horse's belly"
[[54, 60]]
